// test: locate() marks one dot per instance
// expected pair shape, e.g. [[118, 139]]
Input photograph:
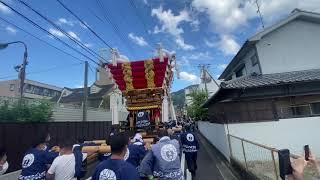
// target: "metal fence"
[[259, 161]]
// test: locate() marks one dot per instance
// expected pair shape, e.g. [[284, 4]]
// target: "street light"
[[19, 68]]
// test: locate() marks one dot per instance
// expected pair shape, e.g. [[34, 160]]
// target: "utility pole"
[[19, 68], [22, 73], [259, 12], [203, 71], [85, 91]]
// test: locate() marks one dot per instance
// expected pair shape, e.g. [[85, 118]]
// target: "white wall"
[[216, 134], [293, 47], [74, 114], [249, 68], [290, 134], [211, 87]]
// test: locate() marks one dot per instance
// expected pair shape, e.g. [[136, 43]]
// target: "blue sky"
[[198, 31]]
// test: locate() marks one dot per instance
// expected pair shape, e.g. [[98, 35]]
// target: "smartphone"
[[284, 163], [306, 152]]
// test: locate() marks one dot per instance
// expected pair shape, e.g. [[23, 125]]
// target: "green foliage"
[[195, 110], [22, 111]]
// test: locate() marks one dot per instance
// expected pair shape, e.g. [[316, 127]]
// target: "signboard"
[[142, 119]]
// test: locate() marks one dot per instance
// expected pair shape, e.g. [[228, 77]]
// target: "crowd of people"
[[129, 159]]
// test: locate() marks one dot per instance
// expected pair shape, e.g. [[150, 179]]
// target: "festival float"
[[145, 84]]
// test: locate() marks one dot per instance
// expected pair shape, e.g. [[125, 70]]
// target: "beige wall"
[[5, 88]]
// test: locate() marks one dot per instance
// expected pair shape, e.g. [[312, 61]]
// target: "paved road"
[[210, 165]]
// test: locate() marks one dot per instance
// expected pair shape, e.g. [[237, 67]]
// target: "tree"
[[195, 110], [22, 111]]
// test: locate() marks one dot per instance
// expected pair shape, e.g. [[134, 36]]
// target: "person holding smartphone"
[[298, 165]]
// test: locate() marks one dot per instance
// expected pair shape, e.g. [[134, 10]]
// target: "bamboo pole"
[[274, 165], [96, 141], [244, 155], [254, 143]]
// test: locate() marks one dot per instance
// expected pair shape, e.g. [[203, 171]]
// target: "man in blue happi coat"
[[190, 147]]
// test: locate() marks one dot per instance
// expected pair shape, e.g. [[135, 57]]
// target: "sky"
[[198, 31]]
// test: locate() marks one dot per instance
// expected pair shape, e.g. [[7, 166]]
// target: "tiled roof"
[[261, 80], [77, 94]]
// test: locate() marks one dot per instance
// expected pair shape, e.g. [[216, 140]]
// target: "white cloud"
[[170, 23], [65, 21], [145, 1], [11, 30], [228, 45], [84, 26], [88, 45], [189, 77], [195, 24], [208, 43], [228, 15], [78, 86], [224, 15], [74, 35], [56, 32], [137, 40], [200, 56], [183, 45], [184, 61], [123, 58], [222, 66], [4, 9]]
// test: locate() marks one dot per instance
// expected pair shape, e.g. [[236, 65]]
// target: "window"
[[315, 108], [241, 71], [302, 110], [254, 60], [12, 87]]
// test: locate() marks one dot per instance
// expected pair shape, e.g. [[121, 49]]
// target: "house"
[[32, 89], [270, 91], [289, 45], [98, 96]]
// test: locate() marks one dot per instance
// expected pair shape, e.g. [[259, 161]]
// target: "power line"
[[136, 11], [77, 17], [46, 31], [90, 51], [91, 68], [115, 27], [95, 15], [8, 22], [45, 70]]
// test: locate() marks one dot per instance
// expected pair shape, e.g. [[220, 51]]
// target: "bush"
[[21, 111]]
